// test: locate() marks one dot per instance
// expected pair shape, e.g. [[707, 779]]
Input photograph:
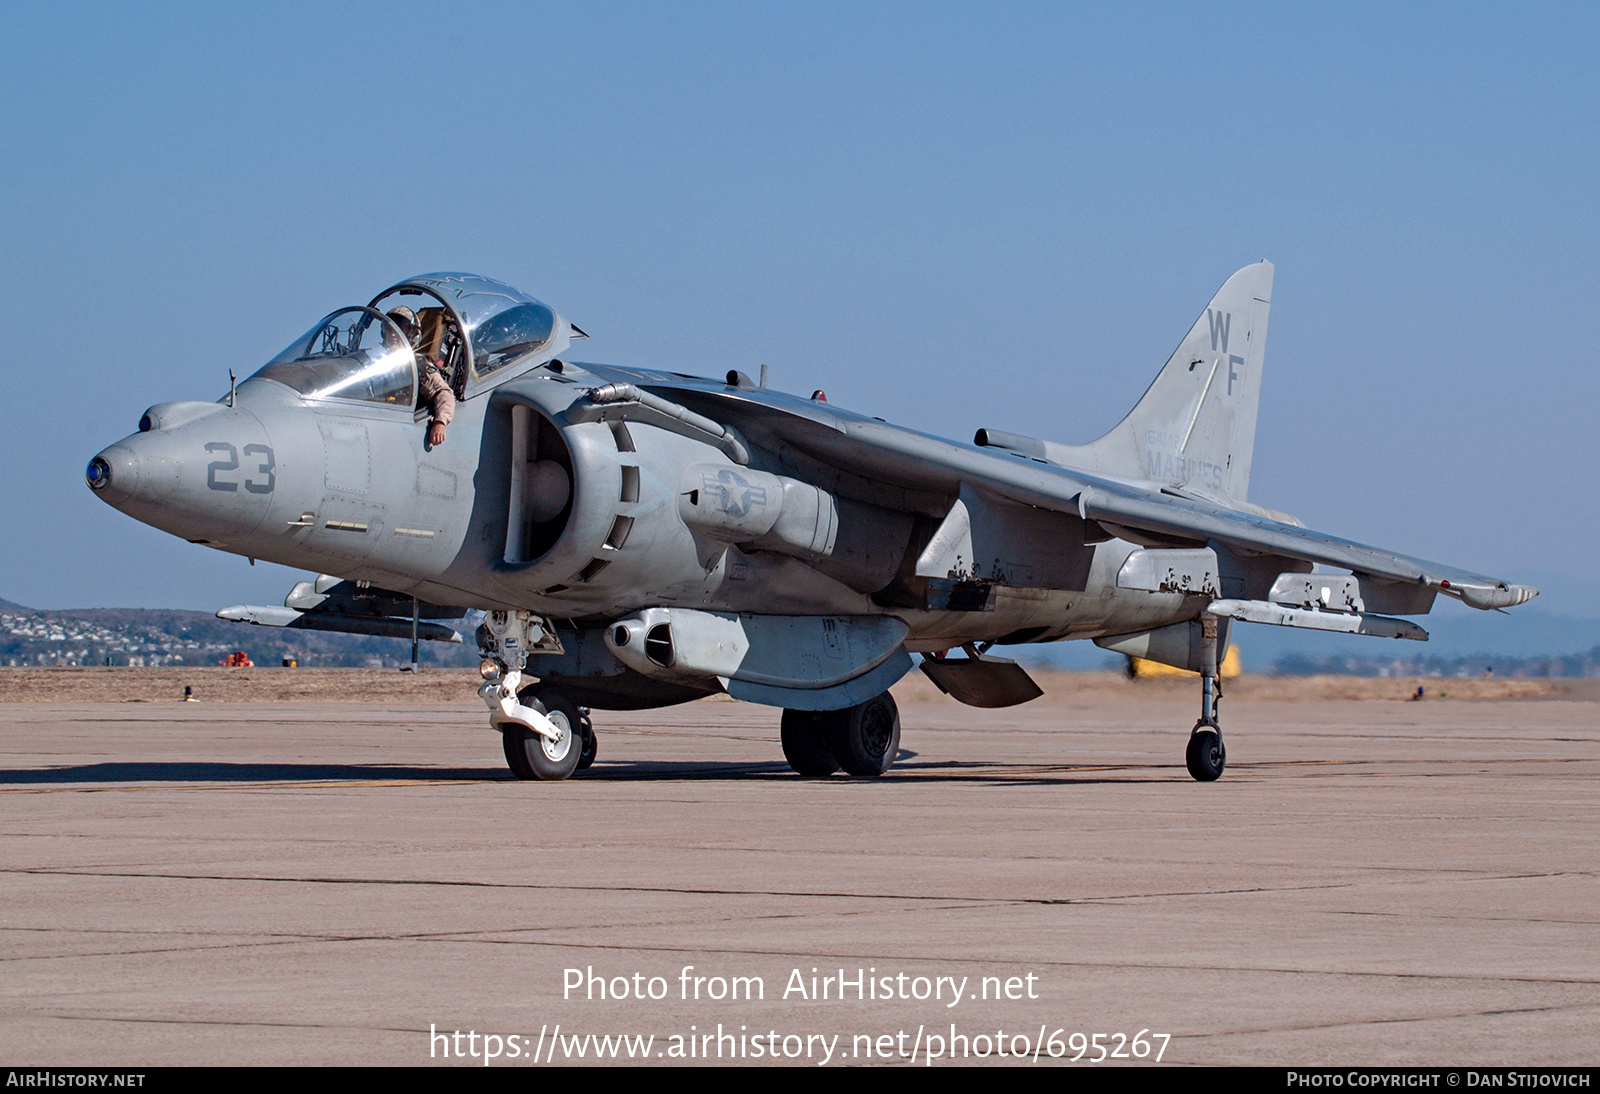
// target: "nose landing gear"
[[535, 756], [545, 734]]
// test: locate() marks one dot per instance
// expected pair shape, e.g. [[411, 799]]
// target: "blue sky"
[[951, 216]]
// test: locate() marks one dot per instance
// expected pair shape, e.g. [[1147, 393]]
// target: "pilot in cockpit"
[[432, 380]]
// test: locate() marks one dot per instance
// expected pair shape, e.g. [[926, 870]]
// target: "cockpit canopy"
[[506, 330], [503, 338], [355, 353], [481, 332]]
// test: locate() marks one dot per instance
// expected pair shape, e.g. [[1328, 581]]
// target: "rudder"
[[1195, 426]]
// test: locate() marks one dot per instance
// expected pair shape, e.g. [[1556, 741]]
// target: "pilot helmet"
[[406, 320]]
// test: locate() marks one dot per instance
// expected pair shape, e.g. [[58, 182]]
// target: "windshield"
[[355, 353]]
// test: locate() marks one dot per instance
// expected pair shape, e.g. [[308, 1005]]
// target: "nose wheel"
[[531, 756]]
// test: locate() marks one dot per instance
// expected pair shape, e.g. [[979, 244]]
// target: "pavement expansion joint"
[[226, 1022], [989, 900], [1390, 1021]]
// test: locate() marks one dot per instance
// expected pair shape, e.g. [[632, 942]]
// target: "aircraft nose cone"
[[136, 474], [98, 476], [114, 474], [209, 480]]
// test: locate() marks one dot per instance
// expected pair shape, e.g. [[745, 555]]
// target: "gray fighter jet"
[[640, 538]]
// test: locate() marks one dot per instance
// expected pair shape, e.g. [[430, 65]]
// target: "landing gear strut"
[[1206, 756]]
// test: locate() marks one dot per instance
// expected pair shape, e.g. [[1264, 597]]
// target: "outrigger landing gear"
[[1205, 756]]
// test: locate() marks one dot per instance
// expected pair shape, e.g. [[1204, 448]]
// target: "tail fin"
[[1196, 425]]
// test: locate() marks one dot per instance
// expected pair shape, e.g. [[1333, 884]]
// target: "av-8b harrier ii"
[[640, 538]]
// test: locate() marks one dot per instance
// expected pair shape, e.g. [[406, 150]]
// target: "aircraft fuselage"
[[352, 490]]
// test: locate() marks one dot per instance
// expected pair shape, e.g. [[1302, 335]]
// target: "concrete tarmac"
[[1369, 883]]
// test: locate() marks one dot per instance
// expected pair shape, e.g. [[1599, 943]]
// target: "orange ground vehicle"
[[238, 659]]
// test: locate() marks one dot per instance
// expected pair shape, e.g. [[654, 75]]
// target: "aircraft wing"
[[1167, 514], [875, 450]]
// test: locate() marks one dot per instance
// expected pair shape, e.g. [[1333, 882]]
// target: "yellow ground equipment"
[[1140, 669]]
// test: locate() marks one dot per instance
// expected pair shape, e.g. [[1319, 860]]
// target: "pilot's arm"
[[440, 399]]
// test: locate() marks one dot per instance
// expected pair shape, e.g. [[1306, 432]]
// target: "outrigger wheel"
[[1205, 755]]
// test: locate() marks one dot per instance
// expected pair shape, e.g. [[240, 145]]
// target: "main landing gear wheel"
[[862, 739], [590, 743], [867, 737], [1205, 756], [532, 755], [807, 744]]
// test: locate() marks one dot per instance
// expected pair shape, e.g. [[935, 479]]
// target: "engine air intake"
[[658, 645]]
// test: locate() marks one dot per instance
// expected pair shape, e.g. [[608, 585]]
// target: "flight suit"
[[436, 393]]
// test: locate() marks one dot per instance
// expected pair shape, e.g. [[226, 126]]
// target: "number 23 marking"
[[265, 466]]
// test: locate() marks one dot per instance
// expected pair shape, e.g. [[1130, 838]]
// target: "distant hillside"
[[153, 636], [1529, 644]]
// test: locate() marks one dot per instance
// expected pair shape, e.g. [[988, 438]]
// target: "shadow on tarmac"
[[624, 771], [223, 772]]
